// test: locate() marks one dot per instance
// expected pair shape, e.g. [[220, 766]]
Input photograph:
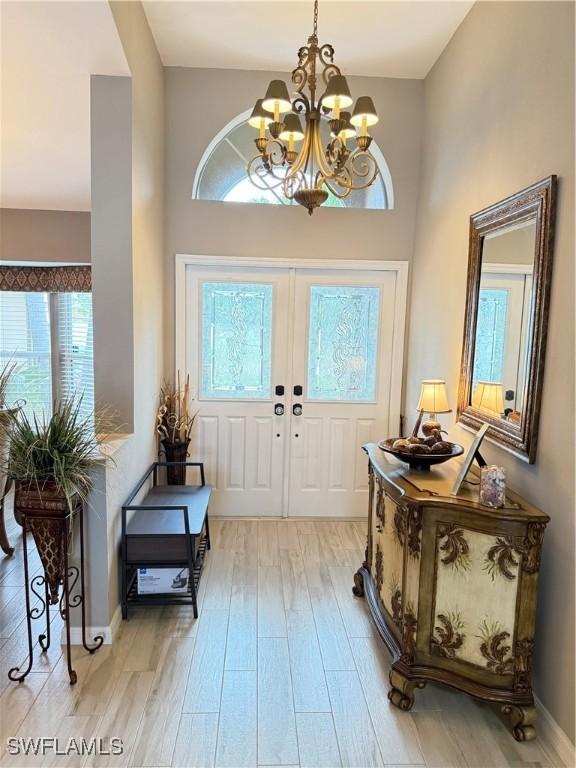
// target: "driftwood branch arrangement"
[[174, 421]]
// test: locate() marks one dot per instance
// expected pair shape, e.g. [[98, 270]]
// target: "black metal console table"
[[156, 536]]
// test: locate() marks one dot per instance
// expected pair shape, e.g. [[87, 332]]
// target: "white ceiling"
[[386, 39], [48, 52], [50, 49]]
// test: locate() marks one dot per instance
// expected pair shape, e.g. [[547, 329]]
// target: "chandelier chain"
[[315, 18]]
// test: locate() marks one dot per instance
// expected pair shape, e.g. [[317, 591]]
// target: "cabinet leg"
[[401, 693], [522, 720], [358, 588]]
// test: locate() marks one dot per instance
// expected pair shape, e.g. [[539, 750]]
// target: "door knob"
[[279, 409], [297, 409]]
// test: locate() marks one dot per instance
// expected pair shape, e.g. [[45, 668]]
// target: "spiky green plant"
[[62, 449], [5, 374]]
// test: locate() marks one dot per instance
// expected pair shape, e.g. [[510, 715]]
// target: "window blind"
[[49, 337], [25, 340], [75, 373]]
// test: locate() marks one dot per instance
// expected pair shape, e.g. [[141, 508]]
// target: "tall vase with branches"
[[174, 423]]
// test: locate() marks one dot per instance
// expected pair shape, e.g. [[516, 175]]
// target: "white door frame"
[[399, 267]]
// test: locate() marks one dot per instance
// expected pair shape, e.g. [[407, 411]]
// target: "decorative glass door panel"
[[342, 342], [344, 370], [236, 354], [490, 335], [236, 340], [501, 333], [291, 370]]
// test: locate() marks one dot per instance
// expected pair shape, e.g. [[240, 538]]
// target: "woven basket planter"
[[48, 516]]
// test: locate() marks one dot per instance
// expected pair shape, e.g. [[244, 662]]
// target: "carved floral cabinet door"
[[388, 556], [474, 601]]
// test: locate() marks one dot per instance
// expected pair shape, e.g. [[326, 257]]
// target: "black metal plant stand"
[[39, 586]]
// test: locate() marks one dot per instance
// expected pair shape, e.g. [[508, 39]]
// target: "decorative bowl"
[[421, 461]]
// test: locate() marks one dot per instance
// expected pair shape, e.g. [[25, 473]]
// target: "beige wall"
[[147, 264], [200, 102], [499, 115], [33, 235], [112, 273]]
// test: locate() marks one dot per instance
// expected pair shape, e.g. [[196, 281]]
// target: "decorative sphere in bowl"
[[421, 455]]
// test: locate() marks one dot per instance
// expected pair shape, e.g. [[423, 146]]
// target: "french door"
[[293, 370]]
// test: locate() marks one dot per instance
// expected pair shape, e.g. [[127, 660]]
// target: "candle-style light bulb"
[[337, 108]]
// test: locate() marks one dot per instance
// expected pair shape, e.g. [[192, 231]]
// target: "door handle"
[[279, 409], [297, 409]]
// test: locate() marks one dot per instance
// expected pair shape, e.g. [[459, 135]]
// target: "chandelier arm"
[[302, 158], [299, 78], [337, 153], [301, 104], [257, 170], [344, 180], [363, 165], [326, 56], [322, 163], [337, 192], [275, 153], [303, 54], [293, 184]]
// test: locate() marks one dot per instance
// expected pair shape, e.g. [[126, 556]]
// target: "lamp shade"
[[277, 94], [488, 396], [259, 114], [337, 88], [292, 128], [433, 398], [348, 131], [364, 109]]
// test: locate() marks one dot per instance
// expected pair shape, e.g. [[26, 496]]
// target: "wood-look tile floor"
[[283, 668]]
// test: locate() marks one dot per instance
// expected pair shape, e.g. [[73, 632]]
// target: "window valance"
[[77, 279]]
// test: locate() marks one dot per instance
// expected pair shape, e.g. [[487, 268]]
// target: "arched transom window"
[[221, 174]]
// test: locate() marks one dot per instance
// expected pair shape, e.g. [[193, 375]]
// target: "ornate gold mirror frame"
[[536, 203]]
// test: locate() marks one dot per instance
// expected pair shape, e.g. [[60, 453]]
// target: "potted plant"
[[174, 424], [51, 462]]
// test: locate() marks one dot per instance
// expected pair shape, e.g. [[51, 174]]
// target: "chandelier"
[[294, 159]]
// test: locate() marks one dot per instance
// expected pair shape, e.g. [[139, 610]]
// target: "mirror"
[[509, 269]]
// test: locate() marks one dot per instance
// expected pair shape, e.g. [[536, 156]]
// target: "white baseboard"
[[108, 631], [550, 733]]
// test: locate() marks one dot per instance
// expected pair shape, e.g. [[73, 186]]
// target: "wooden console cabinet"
[[452, 586]]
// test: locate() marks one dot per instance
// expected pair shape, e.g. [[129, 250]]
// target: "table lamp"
[[489, 396], [433, 400]]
